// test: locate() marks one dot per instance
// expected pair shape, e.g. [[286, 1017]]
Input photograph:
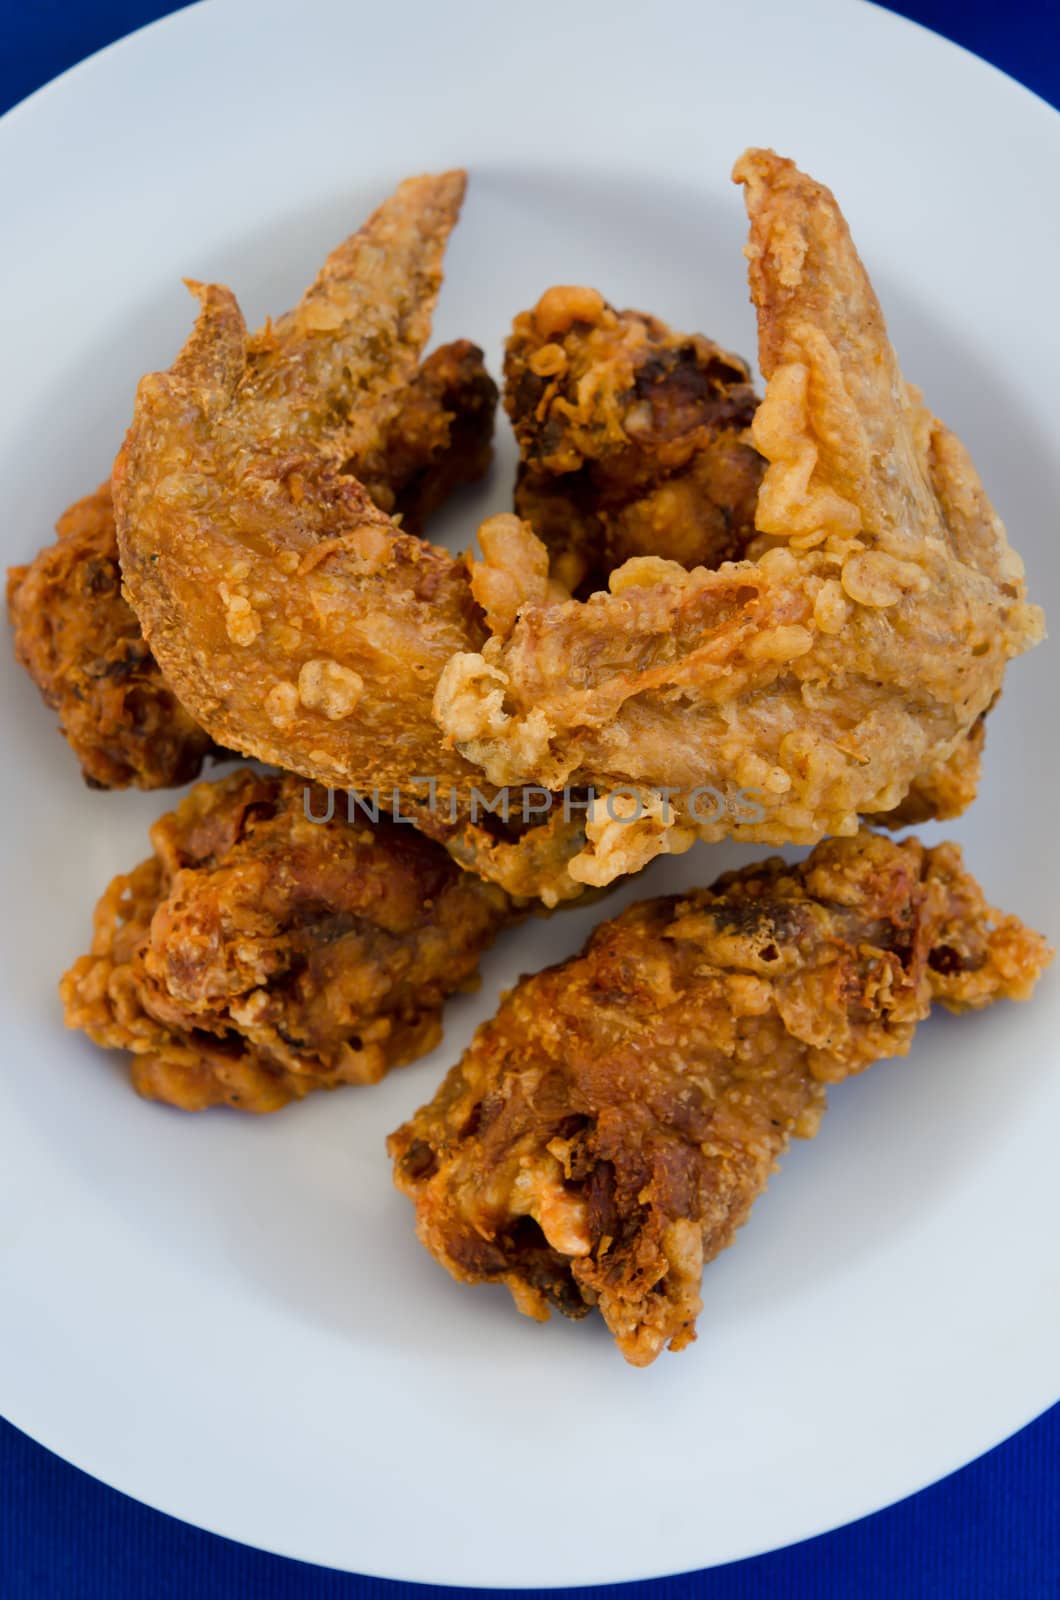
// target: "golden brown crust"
[[293, 617], [259, 954], [848, 658], [80, 640], [82, 645], [608, 1131], [633, 439]]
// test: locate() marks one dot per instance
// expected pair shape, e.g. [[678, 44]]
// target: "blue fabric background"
[[990, 1532]]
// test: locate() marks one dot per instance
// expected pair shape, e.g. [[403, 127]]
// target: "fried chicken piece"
[[608, 1131], [633, 439], [259, 954], [440, 439], [80, 640], [843, 663], [81, 644], [294, 619]]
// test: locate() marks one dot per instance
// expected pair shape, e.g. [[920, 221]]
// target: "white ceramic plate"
[[230, 1318]]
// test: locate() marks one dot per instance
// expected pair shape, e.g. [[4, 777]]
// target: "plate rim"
[[188, 17]]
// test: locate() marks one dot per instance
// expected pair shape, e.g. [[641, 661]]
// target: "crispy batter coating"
[[843, 662], [80, 640], [82, 645], [633, 439], [259, 954], [294, 619], [608, 1131]]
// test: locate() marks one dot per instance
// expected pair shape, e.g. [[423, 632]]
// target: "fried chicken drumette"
[[82, 644], [608, 1131], [259, 954], [633, 439]]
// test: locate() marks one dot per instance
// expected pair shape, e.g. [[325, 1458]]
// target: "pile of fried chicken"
[[803, 600]]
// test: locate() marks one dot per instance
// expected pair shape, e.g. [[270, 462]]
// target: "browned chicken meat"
[[81, 643], [633, 439], [259, 954], [608, 1131]]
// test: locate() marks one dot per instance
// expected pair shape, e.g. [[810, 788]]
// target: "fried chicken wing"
[[296, 621], [259, 954], [608, 1131], [81, 642], [633, 439], [842, 664]]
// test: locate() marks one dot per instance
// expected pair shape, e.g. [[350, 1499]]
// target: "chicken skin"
[[841, 663], [298, 622], [259, 954], [607, 1133], [80, 640], [633, 440]]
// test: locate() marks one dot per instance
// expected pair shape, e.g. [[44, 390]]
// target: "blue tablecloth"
[[990, 1531]]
